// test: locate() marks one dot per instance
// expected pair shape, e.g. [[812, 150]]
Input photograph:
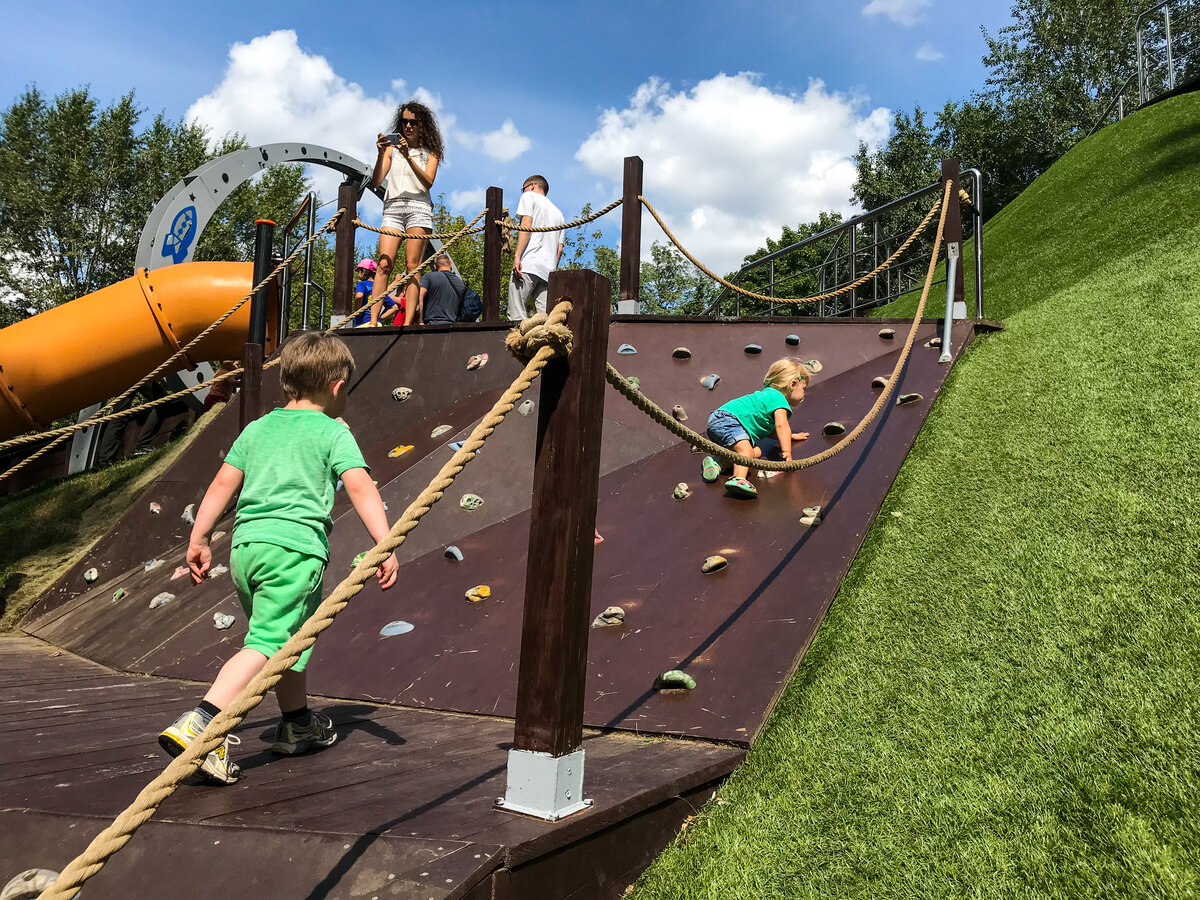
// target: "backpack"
[[471, 307]]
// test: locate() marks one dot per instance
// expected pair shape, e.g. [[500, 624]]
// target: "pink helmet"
[[368, 264]]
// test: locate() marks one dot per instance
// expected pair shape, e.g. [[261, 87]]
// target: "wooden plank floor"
[[401, 806]]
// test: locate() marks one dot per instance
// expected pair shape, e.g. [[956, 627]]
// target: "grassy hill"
[[1004, 700]]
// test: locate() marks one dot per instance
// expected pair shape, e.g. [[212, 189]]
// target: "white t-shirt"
[[541, 253], [402, 181]]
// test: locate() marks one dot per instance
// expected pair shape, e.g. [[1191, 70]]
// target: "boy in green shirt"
[[287, 465]]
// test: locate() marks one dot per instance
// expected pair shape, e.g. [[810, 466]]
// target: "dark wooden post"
[[545, 767], [343, 251], [493, 238], [952, 231], [250, 397], [631, 238]]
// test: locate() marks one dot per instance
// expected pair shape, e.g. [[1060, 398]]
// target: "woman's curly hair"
[[429, 137]]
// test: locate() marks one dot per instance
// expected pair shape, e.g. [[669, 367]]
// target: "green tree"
[[798, 273]]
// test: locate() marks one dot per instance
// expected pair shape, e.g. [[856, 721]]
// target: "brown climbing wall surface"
[[739, 632]]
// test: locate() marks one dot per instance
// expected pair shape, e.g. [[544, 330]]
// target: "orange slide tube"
[[93, 348]]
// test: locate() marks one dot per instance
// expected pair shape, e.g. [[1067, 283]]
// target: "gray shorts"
[[522, 290], [404, 213]]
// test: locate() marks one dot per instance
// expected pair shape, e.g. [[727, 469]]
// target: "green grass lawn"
[[1004, 700]]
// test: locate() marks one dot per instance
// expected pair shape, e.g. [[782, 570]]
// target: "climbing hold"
[[905, 399], [455, 446], [833, 428], [179, 572], [879, 381], [810, 521], [793, 340], [119, 594], [401, 394], [397, 451], [155, 508], [599, 540], [161, 600], [526, 407], [357, 559], [740, 487], [710, 470], [613, 615], [30, 885], [674, 680], [391, 629], [768, 473], [151, 564], [217, 535], [814, 366], [189, 514], [713, 564], [478, 361], [681, 491], [452, 552], [479, 593], [934, 342], [811, 511], [222, 621], [470, 501], [678, 414], [439, 431], [627, 349], [341, 484], [634, 382], [90, 575], [710, 380], [217, 571], [887, 333], [753, 349], [681, 353]]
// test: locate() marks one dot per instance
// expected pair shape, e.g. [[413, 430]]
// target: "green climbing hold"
[[879, 382], [681, 492], [634, 382], [832, 429], [119, 594], [470, 501], [674, 680], [905, 399]]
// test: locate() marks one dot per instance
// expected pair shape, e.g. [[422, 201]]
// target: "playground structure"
[[740, 631]]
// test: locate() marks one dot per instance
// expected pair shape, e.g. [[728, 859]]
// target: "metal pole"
[[1170, 58], [948, 322], [308, 252], [1141, 66], [875, 263], [853, 298], [977, 216]]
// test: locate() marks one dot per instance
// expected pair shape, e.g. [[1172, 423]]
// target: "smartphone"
[[393, 138]]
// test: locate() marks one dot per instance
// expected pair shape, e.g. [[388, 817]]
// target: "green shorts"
[[279, 590]]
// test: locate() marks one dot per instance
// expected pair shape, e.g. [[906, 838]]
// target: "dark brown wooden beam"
[[558, 579], [631, 231], [250, 397], [952, 231], [343, 251], [493, 239]]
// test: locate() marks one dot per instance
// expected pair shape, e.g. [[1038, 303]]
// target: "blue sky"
[[745, 114]]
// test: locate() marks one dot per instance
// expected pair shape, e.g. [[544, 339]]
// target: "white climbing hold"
[[189, 514], [814, 365], [887, 333], [470, 501], [681, 353], [151, 564], [452, 552], [161, 600], [90, 575], [222, 621], [478, 361], [179, 572], [217, 571], [526, 407], [711, 380], [391, 629], [439, 431], [713, 564], [627, 349], [155, 508], [613, 615], [401, 394]]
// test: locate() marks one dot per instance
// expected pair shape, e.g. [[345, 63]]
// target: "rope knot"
[[537, 332]]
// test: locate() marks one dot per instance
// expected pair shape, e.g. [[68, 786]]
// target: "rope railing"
[[644, 403], [125, 825], [58, 435], [816, 297], [530, 229]]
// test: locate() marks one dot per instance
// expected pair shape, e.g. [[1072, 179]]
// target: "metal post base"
[[628, 307], [547, 787]]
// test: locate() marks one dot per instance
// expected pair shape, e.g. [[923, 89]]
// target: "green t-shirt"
[[756, 411], [291, 459]]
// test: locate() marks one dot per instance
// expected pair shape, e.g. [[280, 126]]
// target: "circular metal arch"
[[178, 219]]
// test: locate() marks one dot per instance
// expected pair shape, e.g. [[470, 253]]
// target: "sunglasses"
[[407, 122]]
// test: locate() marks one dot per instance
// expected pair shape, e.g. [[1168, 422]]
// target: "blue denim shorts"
[[725, 429]]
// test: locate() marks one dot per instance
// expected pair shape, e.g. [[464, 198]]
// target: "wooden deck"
[[401, 806]]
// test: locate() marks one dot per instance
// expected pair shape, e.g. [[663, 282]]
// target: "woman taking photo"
[[407, 164]]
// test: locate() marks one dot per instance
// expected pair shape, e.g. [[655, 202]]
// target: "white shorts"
[[405, 213]]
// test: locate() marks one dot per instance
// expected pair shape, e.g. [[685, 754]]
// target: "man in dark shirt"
[[441, 293]]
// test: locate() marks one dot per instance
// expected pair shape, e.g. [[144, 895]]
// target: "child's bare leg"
[[745, 448], [238, 672], [292, 691]]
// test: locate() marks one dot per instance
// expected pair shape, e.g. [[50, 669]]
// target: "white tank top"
[[402, 181]]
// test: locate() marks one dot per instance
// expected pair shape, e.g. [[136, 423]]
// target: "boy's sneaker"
[[291, 738], [216, 767]]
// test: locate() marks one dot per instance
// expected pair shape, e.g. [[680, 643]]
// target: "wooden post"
[[631, 238], [343, 251], [493, 238], [250, 397], [952, 231]]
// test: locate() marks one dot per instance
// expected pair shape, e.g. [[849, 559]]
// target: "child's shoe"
[[710, 470], [216, 767], [740, 487], [291, 738]]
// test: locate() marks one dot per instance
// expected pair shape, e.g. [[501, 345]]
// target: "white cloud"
[[904, 12], [274, 90], [927, 53], [730, 162], [467, 202]]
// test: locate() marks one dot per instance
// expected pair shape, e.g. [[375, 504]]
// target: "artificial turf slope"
[[1002, 701]]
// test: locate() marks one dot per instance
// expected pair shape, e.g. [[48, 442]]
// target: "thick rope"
[[816, 297], [116, 835], [404, 235], [644, 403], [507, 225], [60, 434], [536, 332]]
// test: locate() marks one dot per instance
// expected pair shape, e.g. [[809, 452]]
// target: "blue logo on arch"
[[183, 232]]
